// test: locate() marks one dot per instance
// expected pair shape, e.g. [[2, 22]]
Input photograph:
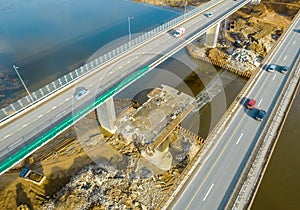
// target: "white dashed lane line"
[[237, 142], [5, 137], [259, 102], [208, 192]]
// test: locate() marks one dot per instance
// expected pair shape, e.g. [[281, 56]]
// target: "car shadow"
[[244, 101], [250, 112], [171, 32]]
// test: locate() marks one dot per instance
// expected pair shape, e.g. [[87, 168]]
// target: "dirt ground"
[[80, 169], [58, 160], [63, 157]]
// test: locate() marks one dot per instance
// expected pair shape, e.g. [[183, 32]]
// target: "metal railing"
[[51, 88], [219, 128]]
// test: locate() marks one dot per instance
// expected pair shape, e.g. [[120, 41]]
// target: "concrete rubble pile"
[[95, 187], [244, 59]]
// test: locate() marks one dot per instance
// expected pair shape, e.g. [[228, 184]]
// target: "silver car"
[[271, 68], [81, 94]]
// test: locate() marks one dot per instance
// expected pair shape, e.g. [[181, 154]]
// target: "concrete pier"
[[211, 36], [255, 2], [107, 115]]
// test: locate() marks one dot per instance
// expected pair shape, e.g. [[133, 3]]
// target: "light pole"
[[15, 68], [128, 18], [185, 6]]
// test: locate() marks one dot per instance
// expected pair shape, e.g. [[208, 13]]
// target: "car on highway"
[[81, 94], [260, 115], [250, 104], [179, 32], [209, 14], [271, 68], [284, 69]]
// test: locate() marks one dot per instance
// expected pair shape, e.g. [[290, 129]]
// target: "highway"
[[212, 184], [42, 117]]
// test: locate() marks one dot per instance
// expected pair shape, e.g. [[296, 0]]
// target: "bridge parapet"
[[54, 87], [256, 167]]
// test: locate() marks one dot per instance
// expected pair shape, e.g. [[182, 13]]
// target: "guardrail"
[[216, 132], [263, 149], [42, 93], [56, 130]]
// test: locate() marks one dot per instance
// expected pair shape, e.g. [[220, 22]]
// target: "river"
[[46, 39], [280, 186]]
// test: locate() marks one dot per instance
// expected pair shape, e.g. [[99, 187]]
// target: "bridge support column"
[[211, 36], [107, 115], [255, 2]]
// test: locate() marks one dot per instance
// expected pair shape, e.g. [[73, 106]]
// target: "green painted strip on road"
[[9, 162]]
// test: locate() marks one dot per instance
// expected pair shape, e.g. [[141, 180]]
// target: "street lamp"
[[15, 68], [128, 18]]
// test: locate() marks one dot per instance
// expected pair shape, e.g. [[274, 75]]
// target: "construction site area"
[[93, 169], [87, 167]]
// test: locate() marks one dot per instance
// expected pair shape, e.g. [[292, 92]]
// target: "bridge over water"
[[26, 125]]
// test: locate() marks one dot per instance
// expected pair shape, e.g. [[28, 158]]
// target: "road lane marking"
[[285, 57], [215, 163], [237, 142], [67, 99], [60, 114], [294, 42], [208, 192], [90, 85], [5, 137], [24, 125], [259, 102], [54, 107], [274, 77], [40, 116], [223, 150]]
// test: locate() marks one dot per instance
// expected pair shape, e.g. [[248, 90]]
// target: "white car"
[[271, 68], [179, 32], [81, 94]]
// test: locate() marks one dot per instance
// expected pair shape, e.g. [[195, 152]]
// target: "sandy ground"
[[63, 157], [59, 160]]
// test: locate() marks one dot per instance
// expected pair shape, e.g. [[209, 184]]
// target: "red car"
[[250, 104]]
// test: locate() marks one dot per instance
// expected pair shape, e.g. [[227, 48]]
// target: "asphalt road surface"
[[211, 186], [47, 113]]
